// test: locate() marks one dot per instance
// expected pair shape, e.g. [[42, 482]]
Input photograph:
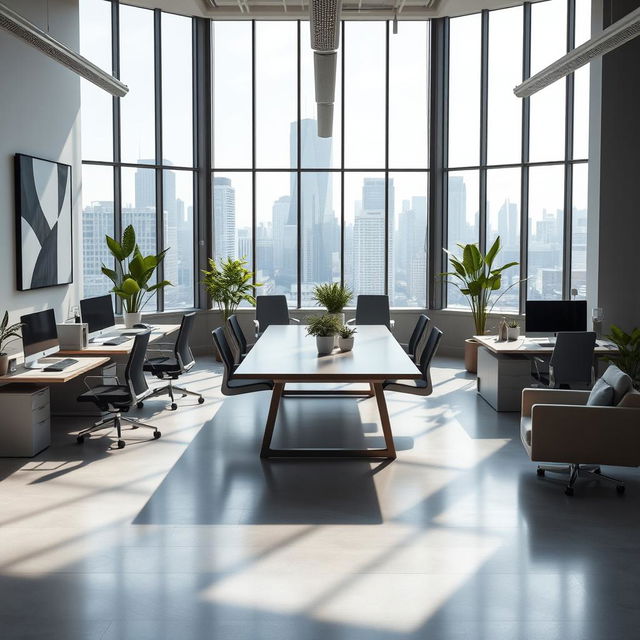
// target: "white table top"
[[284, 352], [526, 345]]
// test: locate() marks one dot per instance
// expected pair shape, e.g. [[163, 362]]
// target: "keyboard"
[[113, 342], [61, 365]]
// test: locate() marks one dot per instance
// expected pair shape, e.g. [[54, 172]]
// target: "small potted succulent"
[[324, 328], [345, 337], [513, 330], [334, 297], [8, 333]]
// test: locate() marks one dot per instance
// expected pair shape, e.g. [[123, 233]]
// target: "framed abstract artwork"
[[44, 233]]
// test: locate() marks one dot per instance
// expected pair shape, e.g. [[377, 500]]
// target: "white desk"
[[285, 354]]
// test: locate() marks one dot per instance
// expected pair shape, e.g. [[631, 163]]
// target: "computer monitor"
[[39, 337], [98, 314], [551, 316]]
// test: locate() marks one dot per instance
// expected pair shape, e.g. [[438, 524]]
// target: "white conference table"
[[285, 354]]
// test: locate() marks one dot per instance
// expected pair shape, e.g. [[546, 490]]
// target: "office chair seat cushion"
[[103, 395], [601, 395], [417, 384], [619, 380], [238, 383], [161, 365]]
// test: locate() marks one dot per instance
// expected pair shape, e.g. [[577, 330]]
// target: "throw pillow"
[[619, 380], [601, 395]]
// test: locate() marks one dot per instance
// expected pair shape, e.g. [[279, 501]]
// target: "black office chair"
[[235, 386], [373, 309], [235, 330], [271, 310], [422, 386], [178, 359], [117, 398], [571, 362], [417, 334]]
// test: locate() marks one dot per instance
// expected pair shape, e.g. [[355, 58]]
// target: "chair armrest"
[[294, 320], [256, 327], [102, 380], [582, 434], [392, 324], [551, 397], [351, 321]]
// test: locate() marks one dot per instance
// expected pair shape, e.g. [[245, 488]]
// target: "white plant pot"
[[131, 318], [325, 344], [513, 333], [4, 364], [345, 344]]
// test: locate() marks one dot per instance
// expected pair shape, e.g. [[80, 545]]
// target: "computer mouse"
[[141, 325]]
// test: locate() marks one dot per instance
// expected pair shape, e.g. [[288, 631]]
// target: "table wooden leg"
[[276, 396], [384, 419]]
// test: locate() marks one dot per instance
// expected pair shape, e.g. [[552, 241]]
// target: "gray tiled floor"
[[192, 536]]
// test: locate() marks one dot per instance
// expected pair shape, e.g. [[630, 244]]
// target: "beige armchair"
[[556, 425]]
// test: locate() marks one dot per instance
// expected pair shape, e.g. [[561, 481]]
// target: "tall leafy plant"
[[229, 283], [333, 296], [8, 332], [628, 358], [477, 278], [133, 271]]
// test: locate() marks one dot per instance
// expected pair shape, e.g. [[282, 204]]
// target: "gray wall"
[[39, 116], [616, 223]]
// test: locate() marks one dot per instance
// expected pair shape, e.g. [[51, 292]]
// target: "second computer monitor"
[[98, 314], [551, 316], [39, 336]]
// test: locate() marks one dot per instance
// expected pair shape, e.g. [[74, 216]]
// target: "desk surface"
[[158, 332], [37, 376], [532, 346], [284, 352]]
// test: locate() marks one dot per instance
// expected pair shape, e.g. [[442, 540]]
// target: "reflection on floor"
[[193, 537]]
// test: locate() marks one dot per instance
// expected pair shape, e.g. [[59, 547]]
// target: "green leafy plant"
[[628, 358], [229, 283], [346, 331], [332, 296], [133, 271], [323, 326], [8, 332], [513, 324], [476, 277]]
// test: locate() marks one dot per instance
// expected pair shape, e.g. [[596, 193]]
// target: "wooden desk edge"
[[55, 376]]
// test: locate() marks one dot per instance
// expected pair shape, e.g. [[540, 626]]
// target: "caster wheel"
[[174, 406], [598, 471], [120, 444], [80, 439], [620, 489], [140, 405], [156, 434], [568, 491], [540, 473], [200, 400]]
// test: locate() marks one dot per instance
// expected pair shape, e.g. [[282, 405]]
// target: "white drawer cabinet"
[[25, 420]]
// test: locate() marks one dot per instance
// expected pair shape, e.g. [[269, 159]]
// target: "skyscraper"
[[224, 219]]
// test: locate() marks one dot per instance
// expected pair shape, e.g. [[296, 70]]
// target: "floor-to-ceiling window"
[[137, 152], [303, 209], [517, 169]]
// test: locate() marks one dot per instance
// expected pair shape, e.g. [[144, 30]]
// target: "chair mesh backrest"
[[271, 310], [220, 340], [237, 332], [572, 358], [183, 353], [417, 333], [430, 348], [373, 310], [134, 372]]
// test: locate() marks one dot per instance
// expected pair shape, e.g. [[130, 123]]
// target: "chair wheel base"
[[80, 439], [200, 400], [540, 473], [174, 406], [156, 434], [121, 444], [568, 491], [140, 405], [620, 489]]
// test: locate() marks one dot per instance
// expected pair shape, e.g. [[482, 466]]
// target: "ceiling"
[[299, 9]]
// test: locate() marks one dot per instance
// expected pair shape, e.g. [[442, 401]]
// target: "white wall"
[[39, 116]]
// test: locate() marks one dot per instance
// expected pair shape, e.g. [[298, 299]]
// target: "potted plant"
[[323, 328], [132, 274], [628, 357], [477, 278], [229, 283], [8, 333], [513, 330], [345, 337], [334, 297]]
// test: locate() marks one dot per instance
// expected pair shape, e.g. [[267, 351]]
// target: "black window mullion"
[[524, 195], [157, 45], [484, 100], [116, 119], [386, 162], [342, 105], [253, 150], [298, 194]]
